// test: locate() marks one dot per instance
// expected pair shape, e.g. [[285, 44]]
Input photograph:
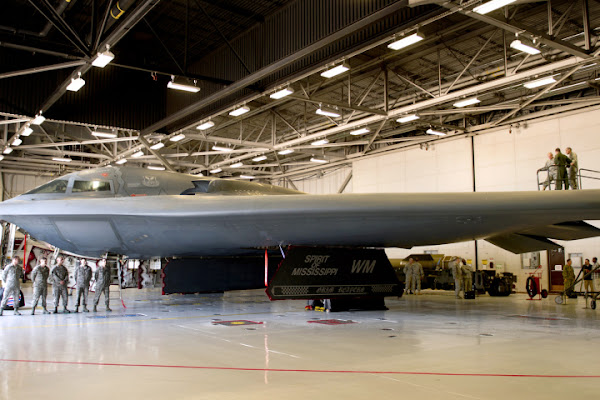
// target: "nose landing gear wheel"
[[558, 300], [544, 293], [593, 304]]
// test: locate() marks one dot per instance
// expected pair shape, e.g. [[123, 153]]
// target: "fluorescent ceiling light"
[[318, 160], [62, 159], [281, 93], [177, 138], [137, 154], [285, 152], [467, 102], [102, 59], [337, 70], [239, 111], [517, 44], [215, 171], [156, 168], [405, 42], [434, 132], [540, 82], [76, 84], [491, 6], [259, 158], [104, 134], [408, 118], [247, 176], [236, 165], [121, 161], [328, 112], [1, 157], [27, 131], [220, 148], [17, 142], [38, 120], [320, 142], [206, 125], [360, 131], [181, 86], [157, 146], [8, 150]]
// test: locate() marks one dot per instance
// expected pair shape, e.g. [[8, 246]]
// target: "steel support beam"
[[523, 30], [156, 154], [36, 70], [339, 104]]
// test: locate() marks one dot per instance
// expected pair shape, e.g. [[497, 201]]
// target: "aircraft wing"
[[203, 225]]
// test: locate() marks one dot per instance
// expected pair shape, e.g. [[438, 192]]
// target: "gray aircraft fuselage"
[[142, 214]]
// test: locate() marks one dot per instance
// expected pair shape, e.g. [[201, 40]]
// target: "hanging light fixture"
[[281, 93], [157, 146], [206, 125], [39, 119], [239, 111], [182, 86], [76, 83], [405, 41], [103, 58], [337, 70]]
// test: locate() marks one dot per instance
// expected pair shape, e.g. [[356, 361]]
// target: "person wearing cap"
[[568, 278], [39, 277], [102, 277], [588, 282], [83, 276], [60, 279], [11, 278]]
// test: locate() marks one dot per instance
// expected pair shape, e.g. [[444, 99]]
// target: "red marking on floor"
[[317, 371]]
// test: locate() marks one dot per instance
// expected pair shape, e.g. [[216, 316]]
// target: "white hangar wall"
[[327, 183], [15, 184], [504, 161]]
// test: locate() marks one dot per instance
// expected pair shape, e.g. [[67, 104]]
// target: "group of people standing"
[[462, 274], [562, 170], [13, 273], [588, 270]]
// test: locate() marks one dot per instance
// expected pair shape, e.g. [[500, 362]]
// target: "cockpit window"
[[90, 186], [57, 186]]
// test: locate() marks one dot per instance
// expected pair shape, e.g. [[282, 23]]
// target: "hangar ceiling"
[[239, 53]]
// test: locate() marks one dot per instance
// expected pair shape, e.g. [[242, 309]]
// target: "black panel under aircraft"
[[205, 275]]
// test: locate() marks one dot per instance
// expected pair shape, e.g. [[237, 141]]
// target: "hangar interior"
[[433, 96]]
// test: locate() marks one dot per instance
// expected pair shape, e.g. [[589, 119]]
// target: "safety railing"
[[547, 178]]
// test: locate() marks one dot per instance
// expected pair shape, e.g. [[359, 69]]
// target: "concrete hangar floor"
[[239, 345]]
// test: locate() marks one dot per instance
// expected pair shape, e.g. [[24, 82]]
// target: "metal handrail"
[[589, 174]]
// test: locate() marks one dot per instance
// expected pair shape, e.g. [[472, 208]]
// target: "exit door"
[[556, 258]]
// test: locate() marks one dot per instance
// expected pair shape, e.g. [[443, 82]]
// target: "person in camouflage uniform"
[[417, 277], [455, 266], [60, 278], [568, 278], [83, 276], [39, 277], [102, 277], [11, 276], [408, 276]]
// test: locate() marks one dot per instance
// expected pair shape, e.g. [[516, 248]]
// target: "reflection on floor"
[[239, 345]]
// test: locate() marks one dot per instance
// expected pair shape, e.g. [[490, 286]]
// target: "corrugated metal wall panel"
[[115, 97]]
